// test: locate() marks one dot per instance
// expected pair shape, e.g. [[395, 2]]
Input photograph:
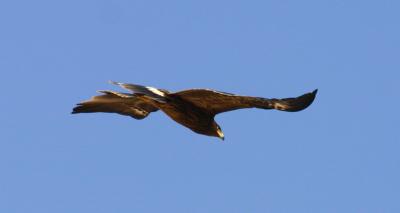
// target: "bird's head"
[[217, 132], [220, 133]]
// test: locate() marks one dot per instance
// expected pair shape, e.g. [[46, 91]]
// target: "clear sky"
[[339, 155]]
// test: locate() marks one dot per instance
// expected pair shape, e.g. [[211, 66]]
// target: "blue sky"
[[339, 155]]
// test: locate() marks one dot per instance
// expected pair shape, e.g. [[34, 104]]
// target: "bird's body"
[[188, 114], [194, 108]]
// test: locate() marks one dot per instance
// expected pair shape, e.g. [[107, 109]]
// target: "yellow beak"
[[221, 134]]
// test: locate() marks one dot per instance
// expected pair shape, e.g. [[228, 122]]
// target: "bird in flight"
[[193, 108]]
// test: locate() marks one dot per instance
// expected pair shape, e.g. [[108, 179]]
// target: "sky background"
[[339, 155]]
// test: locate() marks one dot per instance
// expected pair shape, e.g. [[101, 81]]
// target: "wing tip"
[[114, 82], [313, 95], [74, 110], [77, 109], [310, 99], [300, 103]]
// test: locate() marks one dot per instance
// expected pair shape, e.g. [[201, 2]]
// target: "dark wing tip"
[[305, 100], [77, 109], [312, 95], [296, 104]]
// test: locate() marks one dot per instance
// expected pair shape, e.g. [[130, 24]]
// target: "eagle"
[[192, 108]]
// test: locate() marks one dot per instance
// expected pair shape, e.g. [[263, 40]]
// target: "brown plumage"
[[194, 108]]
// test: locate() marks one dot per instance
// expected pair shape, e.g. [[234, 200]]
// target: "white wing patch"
[[156, 91], [279, 106]]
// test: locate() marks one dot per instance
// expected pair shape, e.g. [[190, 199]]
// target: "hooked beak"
[[221, 134]]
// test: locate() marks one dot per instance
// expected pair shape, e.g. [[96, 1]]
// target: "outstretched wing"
[[217, 102], [114, 102]]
